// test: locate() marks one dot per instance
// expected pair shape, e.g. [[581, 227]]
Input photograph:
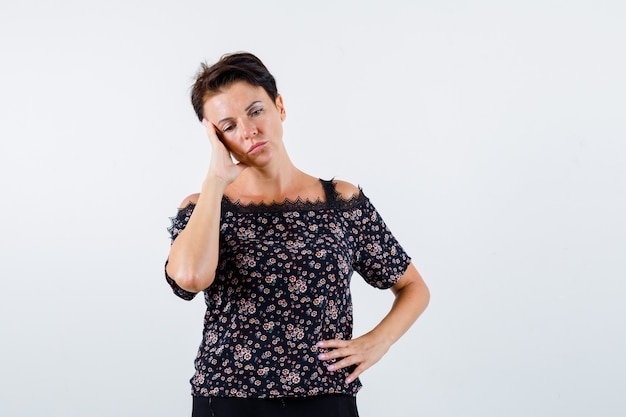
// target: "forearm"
[[411, 299], [194, 254]]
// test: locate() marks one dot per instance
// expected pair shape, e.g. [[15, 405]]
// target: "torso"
[[283, 284]]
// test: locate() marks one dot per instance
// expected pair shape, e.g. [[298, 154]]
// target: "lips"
[[256, 146]]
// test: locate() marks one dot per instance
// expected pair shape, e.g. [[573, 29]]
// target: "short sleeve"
[[378, 257], [178, 224]]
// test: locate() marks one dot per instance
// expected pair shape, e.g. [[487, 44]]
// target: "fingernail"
[[348, 380], [331, 368], [321, 356]]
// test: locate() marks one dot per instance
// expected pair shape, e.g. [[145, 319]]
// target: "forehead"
[[234, 97]]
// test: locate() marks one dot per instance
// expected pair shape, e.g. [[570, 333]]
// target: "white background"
[[489, 134]]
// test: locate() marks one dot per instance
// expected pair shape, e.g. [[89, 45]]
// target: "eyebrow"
[[246, 109]]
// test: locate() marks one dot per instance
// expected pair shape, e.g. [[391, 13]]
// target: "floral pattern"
[[282, 285]]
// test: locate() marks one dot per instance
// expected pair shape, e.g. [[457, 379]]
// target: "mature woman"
[[273, 249]]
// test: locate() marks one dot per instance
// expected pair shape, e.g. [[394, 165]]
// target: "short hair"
[[240, 66]]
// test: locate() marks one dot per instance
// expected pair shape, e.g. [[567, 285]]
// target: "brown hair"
[[240, 66]]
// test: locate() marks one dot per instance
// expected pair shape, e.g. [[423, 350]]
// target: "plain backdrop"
[[489, 134]]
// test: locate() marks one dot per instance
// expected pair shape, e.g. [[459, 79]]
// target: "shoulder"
[[191, 199], [346, 190]]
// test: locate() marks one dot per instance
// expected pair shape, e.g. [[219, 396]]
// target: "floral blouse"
[[282, 285]]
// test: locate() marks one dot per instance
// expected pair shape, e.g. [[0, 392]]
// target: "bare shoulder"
[[346, 190], [193, 199]]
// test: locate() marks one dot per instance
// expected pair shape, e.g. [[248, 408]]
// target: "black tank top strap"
[[331, 193]]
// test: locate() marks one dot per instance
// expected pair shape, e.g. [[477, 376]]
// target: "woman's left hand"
[[363, 352], [412, 297]]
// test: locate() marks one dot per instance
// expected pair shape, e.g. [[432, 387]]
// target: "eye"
[[228, 127], [256, 111]]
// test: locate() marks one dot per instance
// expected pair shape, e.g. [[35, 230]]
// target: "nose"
[[248, 130]]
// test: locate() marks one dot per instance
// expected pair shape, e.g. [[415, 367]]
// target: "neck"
[[274, 182]]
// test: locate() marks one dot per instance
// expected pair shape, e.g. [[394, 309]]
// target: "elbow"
[[411, 286], [187, 283], [190, 280], [193, 282], [425, 296], [419, 293]]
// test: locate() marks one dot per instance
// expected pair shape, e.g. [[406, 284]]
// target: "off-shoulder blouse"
[[282, 285]]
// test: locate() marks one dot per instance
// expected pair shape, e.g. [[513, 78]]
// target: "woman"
[[273, 250]]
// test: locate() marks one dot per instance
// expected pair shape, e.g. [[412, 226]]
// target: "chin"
[[260, 160]]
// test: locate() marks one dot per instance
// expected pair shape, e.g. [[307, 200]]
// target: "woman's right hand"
[[194, 254], [222, 165]]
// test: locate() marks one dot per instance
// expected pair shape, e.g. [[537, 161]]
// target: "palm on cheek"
[[222, 164]]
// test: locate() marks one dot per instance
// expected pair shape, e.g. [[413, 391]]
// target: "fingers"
[[355, 374], [362, 352], [211, 131], [221, 164], [340, 350], [332, 343], [349, 358]]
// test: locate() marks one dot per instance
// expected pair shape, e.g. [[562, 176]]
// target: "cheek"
[[234, 147]]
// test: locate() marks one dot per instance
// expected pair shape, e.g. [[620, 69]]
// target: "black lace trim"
[[180, 218], [295, 205], [332, 202]]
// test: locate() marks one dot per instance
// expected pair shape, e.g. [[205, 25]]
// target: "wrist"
[[383, 337], [214, 185]]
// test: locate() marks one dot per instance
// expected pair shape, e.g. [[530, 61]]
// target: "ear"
[[281, 107]]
